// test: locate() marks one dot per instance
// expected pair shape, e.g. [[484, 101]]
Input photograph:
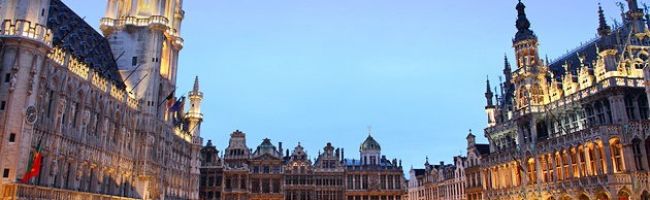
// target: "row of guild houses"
[[573, 128], [460, 180], [268, 173], [89, 115]]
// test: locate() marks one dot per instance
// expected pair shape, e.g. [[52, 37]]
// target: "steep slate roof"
[[589, 51], [419, 172], [483, 149], [75, 36]]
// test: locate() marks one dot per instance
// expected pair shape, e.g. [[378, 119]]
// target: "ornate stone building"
[[575, 127], [438, 182], [267, 174], [95, 105], [329, 174], [474, 186], [211, 172]]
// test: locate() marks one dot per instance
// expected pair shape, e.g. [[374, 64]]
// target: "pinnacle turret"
[[196, 84], [488, 93], [603, 28]]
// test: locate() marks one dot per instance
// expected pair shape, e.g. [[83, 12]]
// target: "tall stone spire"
[[195, 116], [507, 69], [507, 89], [196, 85], [488, 94], [603, 28], [523, 25]]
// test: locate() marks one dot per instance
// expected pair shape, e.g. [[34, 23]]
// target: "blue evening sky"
[[318, 71]]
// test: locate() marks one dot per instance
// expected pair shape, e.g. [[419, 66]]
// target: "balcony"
[[27, 30], [21, 191]]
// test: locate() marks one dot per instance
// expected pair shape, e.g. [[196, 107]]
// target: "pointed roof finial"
[[523, 25], [603, 28], [488, 89], [196, 84], [488, 92], [369, 130], [547, 60], [506, 63]]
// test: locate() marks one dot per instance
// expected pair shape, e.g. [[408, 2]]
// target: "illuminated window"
[[617, 155]]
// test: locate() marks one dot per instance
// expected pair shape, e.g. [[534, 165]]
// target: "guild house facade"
[[460, 180], [268, 173], [575, 127], [85, 115]]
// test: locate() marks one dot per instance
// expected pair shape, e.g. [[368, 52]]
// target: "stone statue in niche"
[[12, 82], [55, 167]]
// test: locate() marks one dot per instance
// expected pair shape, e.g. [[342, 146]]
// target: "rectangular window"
[[5, 173], [49, 103], [7, 77], [2, 105], [12, 137], [134, 60]]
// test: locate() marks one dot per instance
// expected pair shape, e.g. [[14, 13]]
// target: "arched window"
[[583, 161], [591, 118], [600, 115], [593, 170], [630, 107], [623, 195], [647, 149], [532, 172], [642, 101], [522, 97], [617, 154], [636, 150], [565, 163], [558, 166], [537, 95], [608, 112]]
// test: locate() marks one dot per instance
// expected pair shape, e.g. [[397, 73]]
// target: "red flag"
[[34, 165], [171, 102]]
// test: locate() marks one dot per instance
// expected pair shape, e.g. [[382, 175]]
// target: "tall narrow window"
[[50, 98], [636, 150], [617, 155]]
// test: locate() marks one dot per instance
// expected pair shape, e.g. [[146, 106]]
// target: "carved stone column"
[[617, 107], [570, 160], [608, 156], [597, 159]]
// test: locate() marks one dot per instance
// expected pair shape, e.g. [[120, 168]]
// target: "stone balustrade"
[[22, 191], [26, 29]]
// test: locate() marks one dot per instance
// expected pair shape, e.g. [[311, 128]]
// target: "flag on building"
[[34, 165], [178, 104], [170, 100]]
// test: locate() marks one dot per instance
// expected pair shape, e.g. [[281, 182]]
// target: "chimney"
[[280, 147], [442, 163], [338, 155], [342, 154]]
